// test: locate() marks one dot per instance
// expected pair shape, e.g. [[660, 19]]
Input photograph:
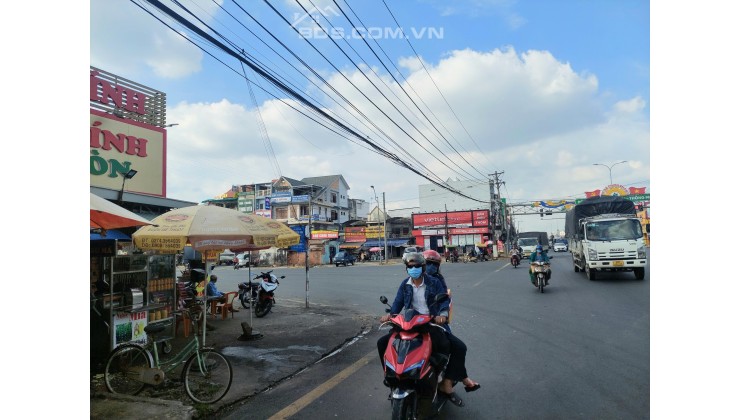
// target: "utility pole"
[[308, 238], [385, 231], [447, 231], [495, 206]]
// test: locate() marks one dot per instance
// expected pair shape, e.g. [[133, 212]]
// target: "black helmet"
[[415, 258]]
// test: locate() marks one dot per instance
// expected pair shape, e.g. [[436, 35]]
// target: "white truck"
[[529, 241], [604, 234]]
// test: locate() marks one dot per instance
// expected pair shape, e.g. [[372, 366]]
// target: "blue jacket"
[[405, 295], [544, 257], [211, 290]]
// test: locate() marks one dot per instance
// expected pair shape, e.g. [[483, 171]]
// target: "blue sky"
[[540, 90]]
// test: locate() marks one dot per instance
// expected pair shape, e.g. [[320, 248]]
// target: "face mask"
[[414, 272], [432, 269]]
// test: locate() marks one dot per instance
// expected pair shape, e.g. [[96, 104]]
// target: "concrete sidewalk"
[[294, 337]]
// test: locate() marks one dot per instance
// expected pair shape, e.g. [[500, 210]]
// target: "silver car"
[[560, 245]]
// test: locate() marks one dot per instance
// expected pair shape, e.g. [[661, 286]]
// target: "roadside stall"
[[107, 277], [212, 228]]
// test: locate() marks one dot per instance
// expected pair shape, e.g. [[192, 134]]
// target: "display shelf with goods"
[[129, 276], [161, 287]]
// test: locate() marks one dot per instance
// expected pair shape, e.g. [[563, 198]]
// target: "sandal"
[[472, 388], [452, 397]]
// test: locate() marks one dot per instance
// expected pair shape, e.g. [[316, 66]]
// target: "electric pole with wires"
[[498, 216]]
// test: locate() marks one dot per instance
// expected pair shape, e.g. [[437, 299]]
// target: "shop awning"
[[381, 243]]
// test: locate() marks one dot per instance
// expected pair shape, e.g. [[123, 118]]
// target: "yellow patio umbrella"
[[212, 228]]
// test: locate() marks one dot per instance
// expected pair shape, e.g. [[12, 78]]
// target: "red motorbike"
[[412, 371]]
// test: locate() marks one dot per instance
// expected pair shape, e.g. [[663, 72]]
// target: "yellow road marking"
[[307, 399]]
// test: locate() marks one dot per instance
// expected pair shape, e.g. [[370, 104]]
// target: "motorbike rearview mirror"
[[282, 277], [384, 300]]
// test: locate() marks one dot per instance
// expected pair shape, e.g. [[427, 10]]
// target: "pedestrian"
[[212, 292]]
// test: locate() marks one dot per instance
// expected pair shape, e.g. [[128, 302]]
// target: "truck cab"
[[609, 242], [528, 245]]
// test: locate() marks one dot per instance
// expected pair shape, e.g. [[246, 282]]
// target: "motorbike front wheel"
[[541, 282], [245, 301], [401, 409], [262, 308]]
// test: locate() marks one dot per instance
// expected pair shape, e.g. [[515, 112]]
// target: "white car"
[[226, 257], [243, 259], [560, 245]]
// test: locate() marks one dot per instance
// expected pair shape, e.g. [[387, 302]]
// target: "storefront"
[[461, 229]]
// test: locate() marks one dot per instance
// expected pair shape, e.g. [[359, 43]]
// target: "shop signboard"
[[300, 199], [245, 202], [129, 327], [280, 200], [301, 231], [324, 234], [374, 231], [264, 213], [450, 219], [126, 132], [467, 231], [354, 234]]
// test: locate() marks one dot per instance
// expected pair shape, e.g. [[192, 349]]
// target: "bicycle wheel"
[[123, 368], [207, 376]]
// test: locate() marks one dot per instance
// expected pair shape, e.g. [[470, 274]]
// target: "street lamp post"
[[128, 175], [610, 169]]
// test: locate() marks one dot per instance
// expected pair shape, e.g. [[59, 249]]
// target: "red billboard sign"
[[458, 219]]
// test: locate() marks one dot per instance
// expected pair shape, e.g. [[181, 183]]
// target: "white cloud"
[[128, 40], [531, 115]]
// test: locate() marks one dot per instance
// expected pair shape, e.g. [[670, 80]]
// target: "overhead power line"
[[292, 93]]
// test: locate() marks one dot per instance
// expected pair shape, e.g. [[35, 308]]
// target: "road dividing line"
[[482, 280], [322, 389]]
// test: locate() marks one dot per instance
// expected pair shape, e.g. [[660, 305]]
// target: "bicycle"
[[206, 374]]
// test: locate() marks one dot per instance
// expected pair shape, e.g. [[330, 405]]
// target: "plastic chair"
[[228, 306], [182, 316]]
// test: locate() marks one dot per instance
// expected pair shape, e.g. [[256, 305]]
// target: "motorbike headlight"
[[592, 254], [641, 252]]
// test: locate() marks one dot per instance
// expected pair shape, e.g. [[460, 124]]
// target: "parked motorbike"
[[515, 258], [412, 371], [259, 294], [539, 268]]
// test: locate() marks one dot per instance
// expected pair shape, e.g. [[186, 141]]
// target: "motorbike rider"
[[417, 291], [456, 370], [516, 250], [539, 255]]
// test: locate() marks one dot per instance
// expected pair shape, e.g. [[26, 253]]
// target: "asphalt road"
[[580, 350]]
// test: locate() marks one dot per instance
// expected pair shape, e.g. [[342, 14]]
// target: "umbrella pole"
[[205, 300], [248, 333]]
